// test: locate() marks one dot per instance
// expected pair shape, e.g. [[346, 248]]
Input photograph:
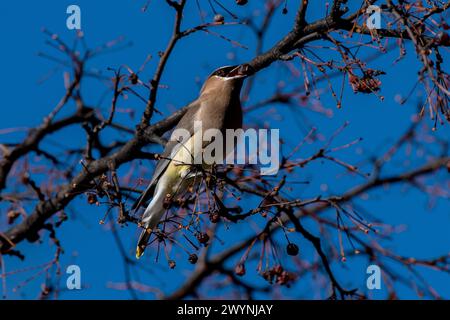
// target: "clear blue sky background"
[[25, 100]]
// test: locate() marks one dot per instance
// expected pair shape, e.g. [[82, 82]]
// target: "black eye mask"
[[240, 70]]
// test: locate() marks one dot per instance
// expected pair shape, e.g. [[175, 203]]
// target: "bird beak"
[[241, 71]]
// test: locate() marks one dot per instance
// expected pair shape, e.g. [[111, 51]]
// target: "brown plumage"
[[217, 107]]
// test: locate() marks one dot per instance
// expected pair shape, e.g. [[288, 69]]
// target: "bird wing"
[[170, 150]]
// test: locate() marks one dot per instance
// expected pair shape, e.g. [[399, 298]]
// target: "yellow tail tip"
[[139, 252]]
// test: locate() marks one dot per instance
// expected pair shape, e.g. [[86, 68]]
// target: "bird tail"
[[149, 221], [142, 242]]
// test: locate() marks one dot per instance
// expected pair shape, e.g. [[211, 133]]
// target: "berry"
[[214, 217], [134, 78], [193, 258], [92, 198], [203, 238], [240, 269], [292, 249], [219, 18]]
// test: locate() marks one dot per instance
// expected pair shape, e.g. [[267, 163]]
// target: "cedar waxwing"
[[217, 107]]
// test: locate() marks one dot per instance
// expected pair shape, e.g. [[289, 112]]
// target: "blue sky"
[[26, 99]]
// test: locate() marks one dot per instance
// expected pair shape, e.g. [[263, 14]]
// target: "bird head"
[[230, 77]]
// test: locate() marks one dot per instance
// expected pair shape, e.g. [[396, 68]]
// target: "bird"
[[218, 106]]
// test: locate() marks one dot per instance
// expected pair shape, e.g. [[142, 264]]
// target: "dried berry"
[[366, 84], [172, 264], [292, 249], [92, 198], [203, 238], [240, 269], [134, 78], [277, 270], [219, 18], [285, 278], [193, 258], [443, 39], [267, 275], [214, 217]]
